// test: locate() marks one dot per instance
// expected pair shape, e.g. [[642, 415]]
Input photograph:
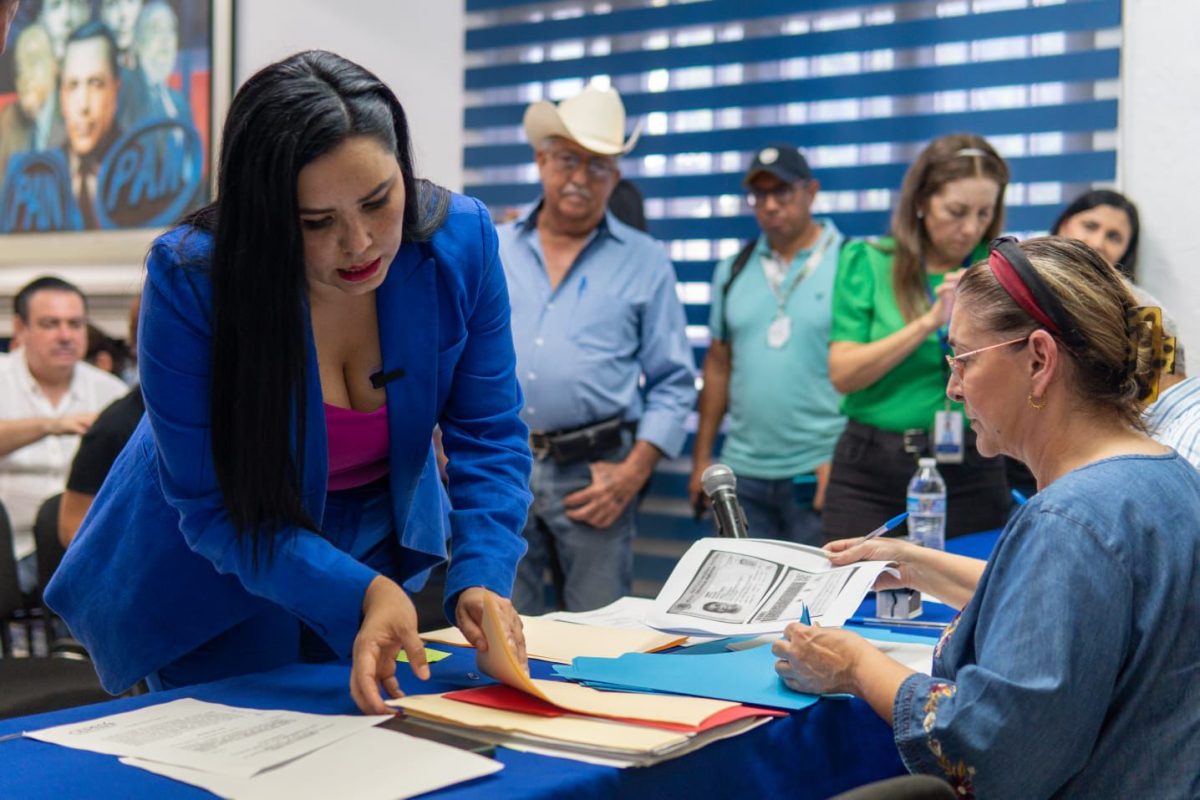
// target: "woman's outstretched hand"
[[389, 625]]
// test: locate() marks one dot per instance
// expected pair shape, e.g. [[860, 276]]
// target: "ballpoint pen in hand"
[[890, 525]]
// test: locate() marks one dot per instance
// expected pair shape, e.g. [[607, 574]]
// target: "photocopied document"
[[732, 587], [208, 736]]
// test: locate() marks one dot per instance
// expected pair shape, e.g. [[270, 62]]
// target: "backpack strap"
[[735, 269]]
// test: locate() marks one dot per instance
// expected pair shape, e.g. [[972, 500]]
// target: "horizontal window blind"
[[860, 86]]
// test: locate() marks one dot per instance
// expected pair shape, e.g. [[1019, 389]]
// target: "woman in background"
[[1107, 222], [299, 340], [892, 303]]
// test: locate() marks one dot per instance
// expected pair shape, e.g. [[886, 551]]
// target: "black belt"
[[914, 440], [586, 441]]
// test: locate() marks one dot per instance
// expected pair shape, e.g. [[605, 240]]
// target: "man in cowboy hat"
[[602, 355]]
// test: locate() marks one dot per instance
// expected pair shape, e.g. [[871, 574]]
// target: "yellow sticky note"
[[431, 655]]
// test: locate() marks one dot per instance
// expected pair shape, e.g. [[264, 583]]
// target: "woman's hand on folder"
[[389, 625], [469, 619]]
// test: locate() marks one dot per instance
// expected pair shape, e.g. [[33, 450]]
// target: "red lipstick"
[[359, 272]]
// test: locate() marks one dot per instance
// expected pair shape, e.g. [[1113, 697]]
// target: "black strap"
[[735, 269]]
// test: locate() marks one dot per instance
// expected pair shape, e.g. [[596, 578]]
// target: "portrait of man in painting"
[[105, 114]]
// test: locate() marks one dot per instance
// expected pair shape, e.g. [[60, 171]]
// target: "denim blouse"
[[1075, 668]]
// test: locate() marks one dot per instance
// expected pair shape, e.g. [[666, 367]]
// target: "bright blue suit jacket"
[[157, 568]]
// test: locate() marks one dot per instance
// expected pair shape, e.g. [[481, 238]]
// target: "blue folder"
[[747, 676]]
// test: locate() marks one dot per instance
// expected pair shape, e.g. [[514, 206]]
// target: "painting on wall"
[[109, 110]]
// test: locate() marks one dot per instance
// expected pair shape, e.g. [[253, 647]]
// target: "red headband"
[[1007, 275]]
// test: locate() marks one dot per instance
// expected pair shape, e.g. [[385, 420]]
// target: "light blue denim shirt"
[[1075, 668], [583, 348]]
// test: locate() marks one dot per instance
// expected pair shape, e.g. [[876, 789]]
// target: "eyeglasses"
[[958, 363], [783, 194], [598, 167]]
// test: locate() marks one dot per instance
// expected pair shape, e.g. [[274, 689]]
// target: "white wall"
[[415, 46], [1160, 152]]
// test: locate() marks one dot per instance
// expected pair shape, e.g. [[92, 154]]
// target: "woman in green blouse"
[[891, 309]]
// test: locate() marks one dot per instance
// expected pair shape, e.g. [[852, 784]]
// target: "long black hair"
[[1127, 263], [282, 118]]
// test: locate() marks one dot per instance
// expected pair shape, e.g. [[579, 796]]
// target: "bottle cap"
[[927, 462]]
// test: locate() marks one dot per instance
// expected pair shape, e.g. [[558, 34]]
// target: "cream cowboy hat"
[[594, 119]]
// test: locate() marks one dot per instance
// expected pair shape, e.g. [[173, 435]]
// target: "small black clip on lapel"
[[381, 378]]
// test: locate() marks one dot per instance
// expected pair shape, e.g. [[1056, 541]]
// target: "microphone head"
[[718, 476]]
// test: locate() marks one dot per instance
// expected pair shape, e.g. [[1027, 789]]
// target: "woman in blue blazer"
[[299, 340]]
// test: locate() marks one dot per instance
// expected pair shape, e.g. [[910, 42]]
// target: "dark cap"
[[783, 161]]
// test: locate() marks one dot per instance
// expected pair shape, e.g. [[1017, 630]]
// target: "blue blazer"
[[157, 568]]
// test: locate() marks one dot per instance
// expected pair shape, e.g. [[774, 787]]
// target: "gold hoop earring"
[[1036, 406]]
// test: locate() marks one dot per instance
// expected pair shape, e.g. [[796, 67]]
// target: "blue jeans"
[[774, 513], [590, 567], [357, 521]]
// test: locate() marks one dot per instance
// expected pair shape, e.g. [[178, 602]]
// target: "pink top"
[[358, 446]]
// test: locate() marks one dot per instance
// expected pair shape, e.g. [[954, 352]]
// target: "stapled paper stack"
[[618, 728]]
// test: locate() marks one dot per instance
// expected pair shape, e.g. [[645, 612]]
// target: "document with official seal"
[[734, 587]]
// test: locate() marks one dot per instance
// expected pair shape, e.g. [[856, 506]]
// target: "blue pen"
[[1019, 498], [582, 285], [805, 619], [890, 525]]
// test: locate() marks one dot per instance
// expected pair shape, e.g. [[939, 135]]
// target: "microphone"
[[381, 378], [720, 484]]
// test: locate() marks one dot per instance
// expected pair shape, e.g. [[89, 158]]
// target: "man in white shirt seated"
[[48, 397]]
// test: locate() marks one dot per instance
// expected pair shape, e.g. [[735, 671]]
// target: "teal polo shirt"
[[783, 418]]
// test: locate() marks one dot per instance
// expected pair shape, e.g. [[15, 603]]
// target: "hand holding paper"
[[475, 605]]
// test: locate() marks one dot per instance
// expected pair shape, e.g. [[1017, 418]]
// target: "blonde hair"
[[947, 159], [1116, 365]]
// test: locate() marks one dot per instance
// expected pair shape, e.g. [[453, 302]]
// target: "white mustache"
[[580, 191]]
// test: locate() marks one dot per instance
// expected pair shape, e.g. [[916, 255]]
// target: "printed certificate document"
[[733, 587]]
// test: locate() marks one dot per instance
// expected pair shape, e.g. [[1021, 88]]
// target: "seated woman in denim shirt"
[[1067, 671]]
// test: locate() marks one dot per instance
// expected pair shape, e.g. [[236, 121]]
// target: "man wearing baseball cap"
[[768, 362], [602, 355]]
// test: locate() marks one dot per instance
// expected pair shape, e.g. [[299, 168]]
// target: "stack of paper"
[[250, 754], [552, 640], [618, 728]]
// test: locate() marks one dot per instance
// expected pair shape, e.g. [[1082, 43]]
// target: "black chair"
[[32, 685], [906, 787], [45, 540]]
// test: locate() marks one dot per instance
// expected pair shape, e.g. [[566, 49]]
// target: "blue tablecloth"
[[814, 753]]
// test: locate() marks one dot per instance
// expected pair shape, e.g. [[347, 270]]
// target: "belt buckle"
[[916, 441], [539, 451]]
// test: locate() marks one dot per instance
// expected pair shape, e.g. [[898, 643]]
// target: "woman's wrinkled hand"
[[817, 660], [389, 625], [903, 554]]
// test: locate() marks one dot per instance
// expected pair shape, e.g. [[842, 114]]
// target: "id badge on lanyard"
[[948, 441], [948, 437]]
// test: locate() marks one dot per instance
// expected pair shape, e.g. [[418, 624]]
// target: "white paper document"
[[208, 736], [626, 612], [375, 764], [731, 587]]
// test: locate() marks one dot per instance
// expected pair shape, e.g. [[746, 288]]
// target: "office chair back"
[[45, 537], [906, 787]]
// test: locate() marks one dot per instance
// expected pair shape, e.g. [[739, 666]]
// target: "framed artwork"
[[110, 111]]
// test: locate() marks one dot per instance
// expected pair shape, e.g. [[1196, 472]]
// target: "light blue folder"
[[744, 677]]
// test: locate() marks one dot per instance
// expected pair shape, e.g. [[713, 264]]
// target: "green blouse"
[[865, 310]]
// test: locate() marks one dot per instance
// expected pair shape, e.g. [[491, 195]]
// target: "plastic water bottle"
[[927, 506]]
